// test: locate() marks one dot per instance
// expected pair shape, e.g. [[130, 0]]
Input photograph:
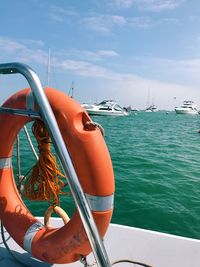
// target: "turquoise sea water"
[[156, 161]]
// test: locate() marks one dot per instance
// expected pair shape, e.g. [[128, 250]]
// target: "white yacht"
[[105, 108], [188, 107]]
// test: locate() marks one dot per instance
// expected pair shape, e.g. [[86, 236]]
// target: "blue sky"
[[124, 50]]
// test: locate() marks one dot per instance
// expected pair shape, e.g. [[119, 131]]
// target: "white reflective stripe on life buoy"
[[99, 203], [30, 233], [5, 163]]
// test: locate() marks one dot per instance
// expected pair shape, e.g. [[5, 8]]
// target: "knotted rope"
[[45, 181]]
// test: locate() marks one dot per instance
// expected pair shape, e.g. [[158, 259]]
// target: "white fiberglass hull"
[[151, 110], [105, 113], [123, 243], [186, 111]]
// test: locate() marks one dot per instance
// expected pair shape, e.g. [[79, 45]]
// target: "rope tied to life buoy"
[[45, 181]]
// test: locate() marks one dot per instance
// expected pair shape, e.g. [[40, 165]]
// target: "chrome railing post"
[[77, 192]]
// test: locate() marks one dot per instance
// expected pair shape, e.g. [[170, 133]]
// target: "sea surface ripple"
[[156, 161]]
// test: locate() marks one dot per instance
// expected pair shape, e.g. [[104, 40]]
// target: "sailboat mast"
[[72, 89], [148, 97]]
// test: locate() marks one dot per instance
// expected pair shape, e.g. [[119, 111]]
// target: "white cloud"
[[35, 43], [186, 65], [158, 5], [82, 68], [9, 45], [103, 23], [118, 20], [127, 87], [191, 65], [107, 23], [18, 50], [99, 55], [124, 3], [96, 23], [150, 5], [141, 22], [107, 53], [60, 14]]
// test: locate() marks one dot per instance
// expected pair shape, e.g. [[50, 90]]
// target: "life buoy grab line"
[[93, 166]]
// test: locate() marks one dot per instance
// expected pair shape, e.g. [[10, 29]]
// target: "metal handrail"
[[68, 168], [20, 112]]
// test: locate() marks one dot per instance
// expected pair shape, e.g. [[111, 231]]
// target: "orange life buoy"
[[93, 166]]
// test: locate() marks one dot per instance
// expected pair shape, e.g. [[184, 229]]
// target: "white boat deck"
[[121, 242]]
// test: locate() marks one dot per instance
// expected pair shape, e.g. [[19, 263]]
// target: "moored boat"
[[151, 108], [105, 108], [188, 107]]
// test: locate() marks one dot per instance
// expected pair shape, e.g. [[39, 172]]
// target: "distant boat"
[[151, 108], [105, 108], [188, 107]]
